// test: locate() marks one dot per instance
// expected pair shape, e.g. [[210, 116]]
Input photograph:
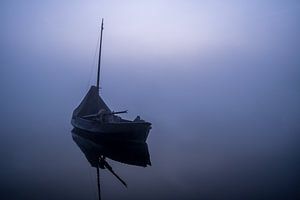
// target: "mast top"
[[102, 24]]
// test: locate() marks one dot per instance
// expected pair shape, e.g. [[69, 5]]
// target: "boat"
[[96, 118], [98, 151]]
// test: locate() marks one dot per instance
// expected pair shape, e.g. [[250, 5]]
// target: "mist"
[[219, 81]]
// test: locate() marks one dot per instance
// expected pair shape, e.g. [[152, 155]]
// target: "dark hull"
[[121, 131]]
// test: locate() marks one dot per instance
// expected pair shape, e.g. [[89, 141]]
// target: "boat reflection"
[[97, 151]]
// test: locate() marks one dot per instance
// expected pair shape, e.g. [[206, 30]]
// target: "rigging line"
[[93, 64]]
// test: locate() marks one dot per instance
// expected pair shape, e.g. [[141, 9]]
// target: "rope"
[[93, 64]]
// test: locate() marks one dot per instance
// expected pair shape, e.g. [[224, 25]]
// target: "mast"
[[99, 60], [98, 183]]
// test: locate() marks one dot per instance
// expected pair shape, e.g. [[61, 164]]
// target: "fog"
[[219, 81]]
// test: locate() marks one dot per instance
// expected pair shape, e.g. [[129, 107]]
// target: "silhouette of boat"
[[95, 117], [97, 151]]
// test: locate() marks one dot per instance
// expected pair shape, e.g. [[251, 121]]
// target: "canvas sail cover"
[[91, 104]]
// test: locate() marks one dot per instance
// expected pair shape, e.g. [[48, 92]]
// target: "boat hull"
[[121, 131]]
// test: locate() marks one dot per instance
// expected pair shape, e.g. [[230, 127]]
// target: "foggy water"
[[222, 94]]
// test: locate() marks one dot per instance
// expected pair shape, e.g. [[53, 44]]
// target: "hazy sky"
[[228, 60], [181, 51], [152, 29]]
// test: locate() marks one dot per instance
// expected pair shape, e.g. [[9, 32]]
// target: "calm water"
[[219, 84]]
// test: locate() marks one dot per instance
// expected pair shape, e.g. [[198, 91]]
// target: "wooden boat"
[[95, 117]]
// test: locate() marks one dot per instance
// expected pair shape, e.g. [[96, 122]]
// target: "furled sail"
[[91, 104]]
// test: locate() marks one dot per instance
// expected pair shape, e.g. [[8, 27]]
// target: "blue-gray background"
[[219, 80]]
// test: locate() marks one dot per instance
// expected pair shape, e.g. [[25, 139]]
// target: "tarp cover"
[[91, 104]]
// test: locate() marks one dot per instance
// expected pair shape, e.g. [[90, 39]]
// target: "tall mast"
[[99, 60]]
